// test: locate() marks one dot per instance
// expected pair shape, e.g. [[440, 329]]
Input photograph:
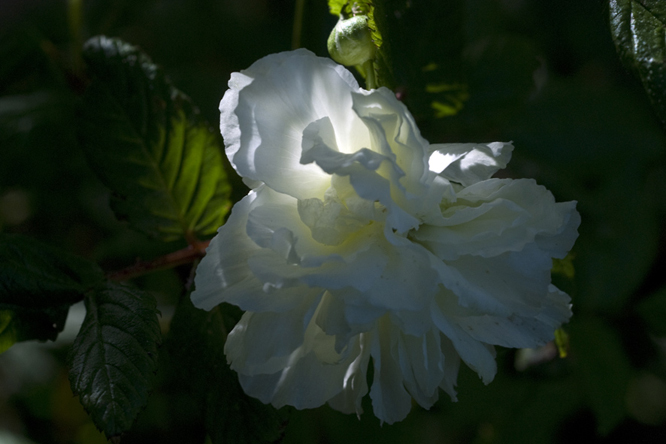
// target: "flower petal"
[[513, 331], [225, 275], [372, 174], [500, 215], [422, 367], [510, 283], [451, 366], [478, 356], [314, 374], [355, 385], [390, 401], [263, 142], [469, 163], [263, 343]]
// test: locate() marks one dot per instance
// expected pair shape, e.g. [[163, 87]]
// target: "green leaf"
[[335, 6], [34, 275], [196, 345], [603, 369], [38, 283], [114, 356], [7, 330], [639, 32], [149, 144], [24, 324], [653, 311]]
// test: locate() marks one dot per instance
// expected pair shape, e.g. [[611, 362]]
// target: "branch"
[[185, 256]]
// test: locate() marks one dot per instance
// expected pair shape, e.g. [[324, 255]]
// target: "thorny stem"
[[187, 255]]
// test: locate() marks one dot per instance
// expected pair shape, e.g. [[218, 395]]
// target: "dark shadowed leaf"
[[639, 30], [24, 324], [35, 275], [196, 345], [148, 143], [38, 283], [114, 356]]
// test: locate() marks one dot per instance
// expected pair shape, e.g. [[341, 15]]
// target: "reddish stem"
[[185, 256]]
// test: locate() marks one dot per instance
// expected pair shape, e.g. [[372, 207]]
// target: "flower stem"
[[369, 69], [74, 19], [298, 24], [187, 255]]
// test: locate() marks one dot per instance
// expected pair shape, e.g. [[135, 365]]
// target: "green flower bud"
[[350, 42]]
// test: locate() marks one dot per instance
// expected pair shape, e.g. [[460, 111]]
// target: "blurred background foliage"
[[545, 75]]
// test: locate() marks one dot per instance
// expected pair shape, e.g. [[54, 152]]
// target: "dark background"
[[542, 74]]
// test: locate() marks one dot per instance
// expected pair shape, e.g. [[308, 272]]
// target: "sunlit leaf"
[[148, 143], [335, 6], [114, 356]]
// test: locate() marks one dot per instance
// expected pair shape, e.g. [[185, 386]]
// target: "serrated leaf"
[[653, 311], [114, 357], [38, 283], [34, 275], [603, 369], [196, 345], [639, 32], [149, 144]]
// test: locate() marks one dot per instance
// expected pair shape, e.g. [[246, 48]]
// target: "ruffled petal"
[[390, 401], [513, 331], [469, 163], [451, 366], [513, 282], [414, 188], [354, 385], [263, 343], [421, 362], [478, 356], [225, 274], [501, 215], [373, 175], [294, 88], [313, 374]]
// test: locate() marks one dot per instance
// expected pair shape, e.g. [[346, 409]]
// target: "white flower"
[[360, 240]]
